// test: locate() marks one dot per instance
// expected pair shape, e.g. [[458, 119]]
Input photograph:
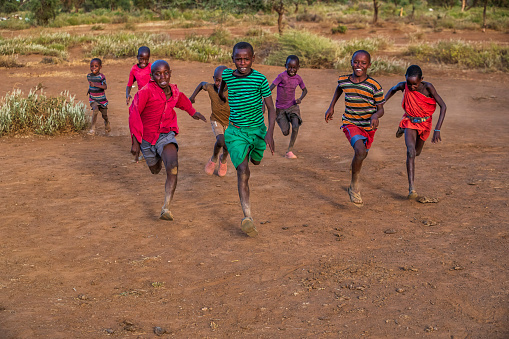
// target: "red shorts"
[[423, 129], [354, 133]]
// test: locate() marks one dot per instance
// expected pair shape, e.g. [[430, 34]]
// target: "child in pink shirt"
[[139, 72], [287, 107], [153, 126]]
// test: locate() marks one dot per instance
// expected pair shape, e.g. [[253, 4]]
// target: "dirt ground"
[[83, 254]]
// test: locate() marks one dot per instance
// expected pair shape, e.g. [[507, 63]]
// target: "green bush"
[[40, 114], [339, 29], [464, 54]]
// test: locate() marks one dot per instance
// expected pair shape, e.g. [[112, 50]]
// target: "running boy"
[[287, 108], [218, 120], [153, 126], [364, 99], [246, 136], [97, 97], [139, 72], [419, 103]]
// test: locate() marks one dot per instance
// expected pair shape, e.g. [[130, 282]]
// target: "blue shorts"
[[152, 153]]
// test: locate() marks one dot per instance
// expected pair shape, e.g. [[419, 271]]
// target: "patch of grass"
[[314, 51], [97, 28], [10, 61], [40, 114], [465, 54], [50, 60], [339, 29], [192, 48]]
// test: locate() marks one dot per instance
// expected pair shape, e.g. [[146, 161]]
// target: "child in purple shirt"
[[287, 107]]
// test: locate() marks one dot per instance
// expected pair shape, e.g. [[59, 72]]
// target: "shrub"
[[339, 29], [314, 51], [97, 28], [40, 114], [10, 61], [465, 54]]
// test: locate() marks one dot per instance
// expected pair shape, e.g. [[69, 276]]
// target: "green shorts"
[[240, 140]]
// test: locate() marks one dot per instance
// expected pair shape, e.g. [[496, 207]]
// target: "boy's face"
[[217, 80], [413, 82], [143, 59], [243, 60], [292, 67], [360, 64], [161, 75], [95, 67]]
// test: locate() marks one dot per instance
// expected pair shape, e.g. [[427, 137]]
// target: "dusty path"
[[83, 252]]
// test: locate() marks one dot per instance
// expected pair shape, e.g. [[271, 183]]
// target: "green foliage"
[[40, 114], [43, 10], [339, 29], [465, 54], [314, 51]]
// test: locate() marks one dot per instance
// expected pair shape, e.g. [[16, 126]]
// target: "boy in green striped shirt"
[[246, 136]]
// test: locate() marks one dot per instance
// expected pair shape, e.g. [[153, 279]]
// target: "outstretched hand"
[[135, 149], [199, 116], [269, 140], [436, 137], [328, 114], [128, 99]]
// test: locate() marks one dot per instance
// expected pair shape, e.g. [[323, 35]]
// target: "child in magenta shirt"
[[287, 107], [139, 72]]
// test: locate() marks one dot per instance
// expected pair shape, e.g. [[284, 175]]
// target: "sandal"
[[248, 227], [355, 197]]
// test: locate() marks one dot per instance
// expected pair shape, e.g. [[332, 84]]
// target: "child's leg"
[[243, 174], [295, 132], [410, 141], [95, 112], [283, 121], [104, 112], [170, 159], [360, 154]]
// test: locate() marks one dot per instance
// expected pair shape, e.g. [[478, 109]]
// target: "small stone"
[[390, 231], [204, 308], [285, 228], [82, 297], [159, 330], [109, 331], [400, 290], [305, 225]]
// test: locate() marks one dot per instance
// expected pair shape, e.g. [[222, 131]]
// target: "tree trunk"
[[375, 14], [484, 16], [296, 7], [463, 5], [280, 22]]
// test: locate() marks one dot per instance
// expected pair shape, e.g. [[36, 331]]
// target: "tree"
[[43, 10], [281, 7], [376, 6], [484, 16]]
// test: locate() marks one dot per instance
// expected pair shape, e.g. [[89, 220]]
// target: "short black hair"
[[157, 63], [143, 49], [413, 71], [363, 52], [290, 58], [98, 61], [243, 45]]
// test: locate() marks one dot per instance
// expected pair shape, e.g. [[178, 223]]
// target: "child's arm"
[[135, 123], [304, 93], [128, 96], [399, 87], [98, 85], [443, 108], [377, 115], [271, 87], [330, 111], [197, 90], [269, 137], [221, 91], [129, 87]]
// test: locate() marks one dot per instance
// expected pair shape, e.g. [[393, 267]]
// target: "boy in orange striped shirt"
[[364, 99]]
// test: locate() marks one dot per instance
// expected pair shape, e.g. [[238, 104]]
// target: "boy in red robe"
[[419, 102], [153, 126]]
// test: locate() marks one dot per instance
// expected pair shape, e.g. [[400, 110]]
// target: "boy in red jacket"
[[153, 126]]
